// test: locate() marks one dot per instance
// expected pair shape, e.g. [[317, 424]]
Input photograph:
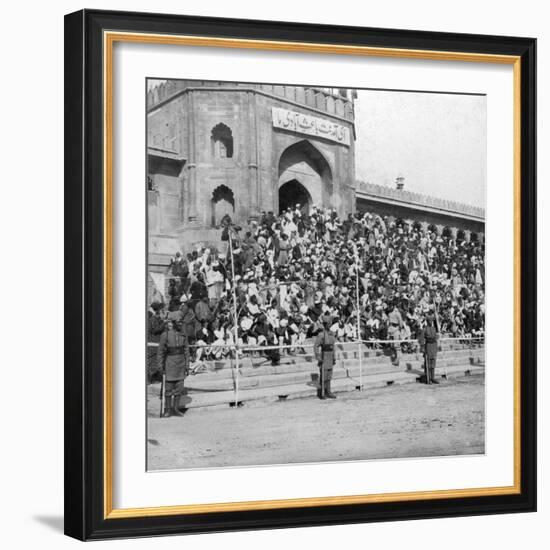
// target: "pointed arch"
[[222, 203], [303, 163], [221, 140], [293, 193]]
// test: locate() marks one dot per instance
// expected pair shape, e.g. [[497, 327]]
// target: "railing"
[[317, 98], [419, 199], [240, 350]]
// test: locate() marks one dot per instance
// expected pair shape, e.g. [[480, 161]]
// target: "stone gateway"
[[218, 148], [239, 149]]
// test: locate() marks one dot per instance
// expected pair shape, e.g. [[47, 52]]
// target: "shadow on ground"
[[55, 523]]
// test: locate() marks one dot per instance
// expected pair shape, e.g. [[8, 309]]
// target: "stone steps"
[[268, 394], [350, 353], [249, 367], [309, 373], [255, 363]]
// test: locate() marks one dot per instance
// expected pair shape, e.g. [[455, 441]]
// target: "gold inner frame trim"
[[109, 39]]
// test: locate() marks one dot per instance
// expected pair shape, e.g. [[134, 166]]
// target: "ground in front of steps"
[[412, 420]]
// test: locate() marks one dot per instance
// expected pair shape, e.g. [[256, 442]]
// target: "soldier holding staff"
[[173, 362], [325, 354], [427, 339]]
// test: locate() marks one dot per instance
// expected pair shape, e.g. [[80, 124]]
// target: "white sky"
[[436, 141]]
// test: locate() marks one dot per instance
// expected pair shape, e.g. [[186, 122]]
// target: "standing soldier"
[[325, 355], [173, 361], [187, 319], [155, 329], [395, 325], [428, 344]]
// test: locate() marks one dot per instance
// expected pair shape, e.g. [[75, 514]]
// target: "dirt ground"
[[412, 420]]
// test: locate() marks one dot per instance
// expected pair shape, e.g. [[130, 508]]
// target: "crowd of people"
[[292, 270]]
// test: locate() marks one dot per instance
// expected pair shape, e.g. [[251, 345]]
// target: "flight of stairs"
[[297, 375]]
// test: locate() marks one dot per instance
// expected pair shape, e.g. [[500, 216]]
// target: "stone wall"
[[250, 171], [412, 213], [461, 219], [420, 200], [321, 99]]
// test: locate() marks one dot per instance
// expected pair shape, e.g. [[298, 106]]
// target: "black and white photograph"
[[315, 274]]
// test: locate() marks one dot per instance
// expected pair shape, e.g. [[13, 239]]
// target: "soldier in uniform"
[[428, 344], [173, 359], [395, 325], [325, 354], [156, 328]]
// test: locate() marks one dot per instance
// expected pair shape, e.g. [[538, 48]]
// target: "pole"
[[359, 344], [235, 324], [162, 390], [437, 327], [436, 306], [426, 369], [321, 370]]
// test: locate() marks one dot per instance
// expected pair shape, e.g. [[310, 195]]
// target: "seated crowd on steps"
[[292, 269]]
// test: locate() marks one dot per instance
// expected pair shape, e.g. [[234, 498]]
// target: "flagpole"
[[358, 318], [235, 324]]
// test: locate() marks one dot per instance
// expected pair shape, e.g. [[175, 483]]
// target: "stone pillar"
[[253, 176], [153, 211], [290, 93], [467, 235], [454, 231], [439, 229], [320, 101], [182, 197], [161, 206], [191, 166], [424, 226], [185, 196]]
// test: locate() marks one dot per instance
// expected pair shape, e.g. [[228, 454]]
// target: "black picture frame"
[[84, 282]]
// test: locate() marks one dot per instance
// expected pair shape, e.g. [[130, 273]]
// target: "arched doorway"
[[302, 163], [292, 193], [222, 203]]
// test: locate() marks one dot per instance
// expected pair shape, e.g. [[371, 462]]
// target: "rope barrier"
[[464, 339], [414, 340], [240, 349]]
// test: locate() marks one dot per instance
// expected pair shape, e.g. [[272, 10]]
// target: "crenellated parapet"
[[410, 198], [334, 101], [445, 218]]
